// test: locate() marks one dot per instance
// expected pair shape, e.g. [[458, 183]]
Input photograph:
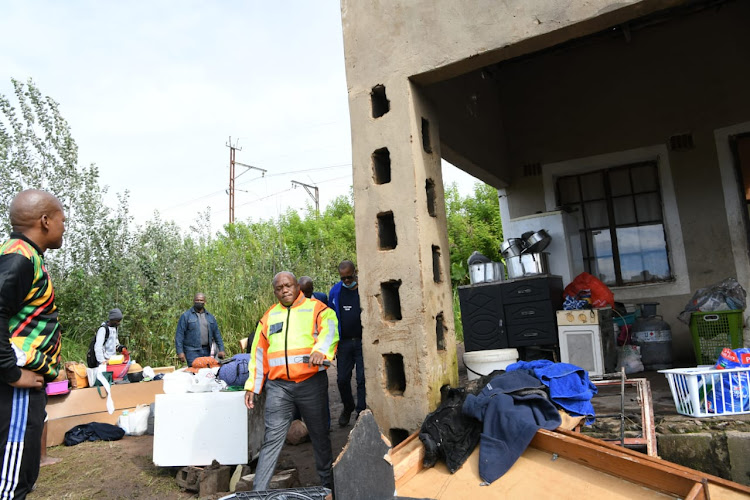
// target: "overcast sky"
[[153, 89]]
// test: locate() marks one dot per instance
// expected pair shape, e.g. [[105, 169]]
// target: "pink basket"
[[60, 387]]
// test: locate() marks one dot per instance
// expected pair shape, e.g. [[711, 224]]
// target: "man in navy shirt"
[[307, 288], [344, 299]]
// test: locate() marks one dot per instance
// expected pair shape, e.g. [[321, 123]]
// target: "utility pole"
[[232, 152], [310, 190], [232, 177]]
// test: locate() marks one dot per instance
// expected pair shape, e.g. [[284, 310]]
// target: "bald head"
[[29, 206], [39, 216], [285, 288]]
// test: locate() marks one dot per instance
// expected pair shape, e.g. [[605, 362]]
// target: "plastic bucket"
[[480, 363]]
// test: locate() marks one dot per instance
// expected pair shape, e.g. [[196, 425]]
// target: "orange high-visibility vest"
[[285, 335]]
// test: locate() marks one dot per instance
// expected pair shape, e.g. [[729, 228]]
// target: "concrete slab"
[[738, 444]]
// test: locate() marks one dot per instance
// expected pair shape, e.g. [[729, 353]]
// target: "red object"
[[585, 284], [118, 371]]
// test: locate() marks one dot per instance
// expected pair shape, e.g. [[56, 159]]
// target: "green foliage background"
[[152, 271]]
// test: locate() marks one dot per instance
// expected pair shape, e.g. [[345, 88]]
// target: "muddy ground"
[[124, 469]]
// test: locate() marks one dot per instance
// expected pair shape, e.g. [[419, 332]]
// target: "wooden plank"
[[407, 459], [713, 480], [611, 459], [536, 474]]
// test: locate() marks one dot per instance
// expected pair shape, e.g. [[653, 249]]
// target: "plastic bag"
[[205, 381], [732, 392], [590, 288], [135, 422], [726, 295], [178, 382], [629, 357]]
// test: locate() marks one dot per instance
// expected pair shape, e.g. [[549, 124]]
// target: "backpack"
[[91, 361], [234, 371]]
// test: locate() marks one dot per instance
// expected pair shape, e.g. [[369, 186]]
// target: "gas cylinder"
[[654, 336]]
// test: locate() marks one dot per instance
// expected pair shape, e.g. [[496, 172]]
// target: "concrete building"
[[632, 117]]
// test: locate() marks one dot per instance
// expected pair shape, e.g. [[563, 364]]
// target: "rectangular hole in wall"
[[436, 275], [387, 239], [395, 376], [440, 331], [430, 189], [381, 166], [426, 145], [391, 300], [397, 436], [380, 103]]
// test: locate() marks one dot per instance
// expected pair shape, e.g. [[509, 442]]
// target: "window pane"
[[624, 210], [643, 253], [619, 181], [596, 214], [603, 266], [644, 178], [648, 207], [592, 186], [568, 188]]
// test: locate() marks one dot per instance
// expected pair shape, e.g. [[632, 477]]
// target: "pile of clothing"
[[504, 415]]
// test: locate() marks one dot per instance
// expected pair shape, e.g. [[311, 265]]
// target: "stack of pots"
[[524, 256]]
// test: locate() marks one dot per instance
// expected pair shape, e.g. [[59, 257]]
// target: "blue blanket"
[[512, 407], [569, 385]]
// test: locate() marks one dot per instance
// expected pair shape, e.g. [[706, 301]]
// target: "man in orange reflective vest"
[[292, 341]]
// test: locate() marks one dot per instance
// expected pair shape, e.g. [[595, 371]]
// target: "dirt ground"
[[124, 469]]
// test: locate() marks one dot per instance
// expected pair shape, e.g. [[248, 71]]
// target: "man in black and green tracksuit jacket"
[[29, 336]]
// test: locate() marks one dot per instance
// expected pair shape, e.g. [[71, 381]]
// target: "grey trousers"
[[282, 397]]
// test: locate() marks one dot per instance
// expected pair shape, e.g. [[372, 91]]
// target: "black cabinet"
[[517, 313]]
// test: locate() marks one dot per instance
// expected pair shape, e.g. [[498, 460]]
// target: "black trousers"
[[22, 413]]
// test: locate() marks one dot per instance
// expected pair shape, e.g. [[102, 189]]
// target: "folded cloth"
[[569, 385], [511, 409]]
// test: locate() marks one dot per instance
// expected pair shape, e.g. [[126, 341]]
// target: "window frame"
[[680, 285], [610, 198]]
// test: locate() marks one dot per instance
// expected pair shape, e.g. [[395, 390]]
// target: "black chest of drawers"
[[516, 313]]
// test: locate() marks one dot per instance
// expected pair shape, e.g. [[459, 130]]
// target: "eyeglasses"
[[348, 278]]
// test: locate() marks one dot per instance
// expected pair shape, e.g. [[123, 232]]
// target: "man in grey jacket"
[[197, 330]]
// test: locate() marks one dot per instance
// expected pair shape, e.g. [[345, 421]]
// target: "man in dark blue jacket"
[[344, 299], [197, 330]]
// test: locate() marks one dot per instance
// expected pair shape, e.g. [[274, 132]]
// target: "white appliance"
[[587, 339], [565, 257]]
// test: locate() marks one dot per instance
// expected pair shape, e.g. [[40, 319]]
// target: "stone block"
[[297, 433], [702, 451], [213, 479], [189, 478], [282, 479], [738, 444]]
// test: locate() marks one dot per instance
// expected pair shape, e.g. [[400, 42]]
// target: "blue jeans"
[[282, 397], [349, 355], [191, 354]]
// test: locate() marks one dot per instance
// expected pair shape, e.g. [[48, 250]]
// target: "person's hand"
[[316, 358], [29, 380], [250, 400], [221, 355], [181, 356]]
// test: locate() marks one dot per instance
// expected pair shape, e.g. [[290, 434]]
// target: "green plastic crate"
[[713, 331]]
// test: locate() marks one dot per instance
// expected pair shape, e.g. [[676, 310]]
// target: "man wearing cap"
[[107, 341], [29, 336]]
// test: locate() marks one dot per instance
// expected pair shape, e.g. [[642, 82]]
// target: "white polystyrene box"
[[197, 428]]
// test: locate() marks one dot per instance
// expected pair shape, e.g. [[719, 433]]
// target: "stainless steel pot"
[[486, 272], [528, 264], [512, 247], [536, 242]]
